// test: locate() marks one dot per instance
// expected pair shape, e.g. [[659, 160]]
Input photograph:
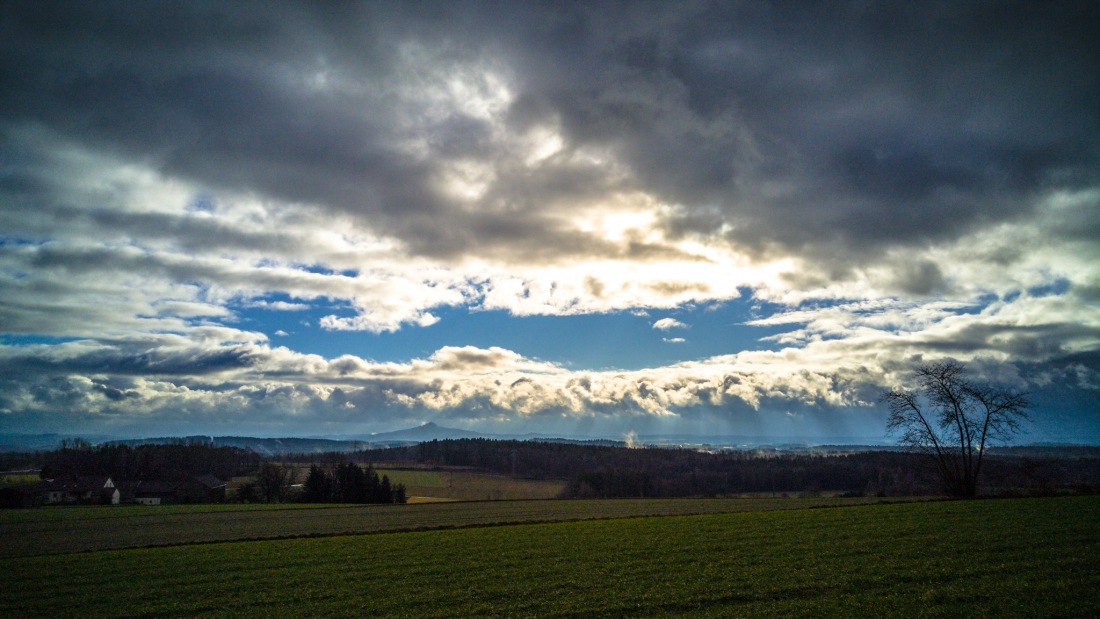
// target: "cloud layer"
[[902, 183]]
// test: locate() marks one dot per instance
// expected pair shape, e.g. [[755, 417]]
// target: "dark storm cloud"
[[892, 126], [868, 125], [130, 359]]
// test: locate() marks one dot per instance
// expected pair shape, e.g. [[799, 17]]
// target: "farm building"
[[156, 492], [102, 490], [202, 489], [214, 488], [84, 489]]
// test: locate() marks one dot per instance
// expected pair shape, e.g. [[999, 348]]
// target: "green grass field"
[[413, 477], [79, 529], [1001, 558], [19, 479], [99, 512]]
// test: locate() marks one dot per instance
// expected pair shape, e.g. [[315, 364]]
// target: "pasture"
[[1019, 558], [79, 529], [19, 479]]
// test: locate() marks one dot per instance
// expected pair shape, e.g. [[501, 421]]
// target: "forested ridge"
[[124, 462]]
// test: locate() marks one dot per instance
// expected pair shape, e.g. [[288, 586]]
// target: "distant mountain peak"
[[424, 432]]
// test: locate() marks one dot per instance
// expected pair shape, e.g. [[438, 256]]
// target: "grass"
[[79, 529], [99, 512], [418, 478], [1019, 558], [19, 479]]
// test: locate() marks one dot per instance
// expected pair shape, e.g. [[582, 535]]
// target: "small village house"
[[88, 489]]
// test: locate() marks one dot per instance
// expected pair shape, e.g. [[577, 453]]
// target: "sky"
[[590, 219]]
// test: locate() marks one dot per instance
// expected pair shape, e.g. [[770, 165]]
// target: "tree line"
[[599, 471], [608, 472], [124, 462], [338, 481], [348, 482]]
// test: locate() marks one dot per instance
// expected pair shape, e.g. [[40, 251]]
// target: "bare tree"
[[273, 482], [955, 419]]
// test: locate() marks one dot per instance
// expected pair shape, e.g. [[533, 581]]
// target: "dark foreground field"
[[80, 529], [1008, 558]]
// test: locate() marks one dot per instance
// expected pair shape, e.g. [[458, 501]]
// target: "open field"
[[17, 479], [1017, 558], [100, 512], [77, 529]]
